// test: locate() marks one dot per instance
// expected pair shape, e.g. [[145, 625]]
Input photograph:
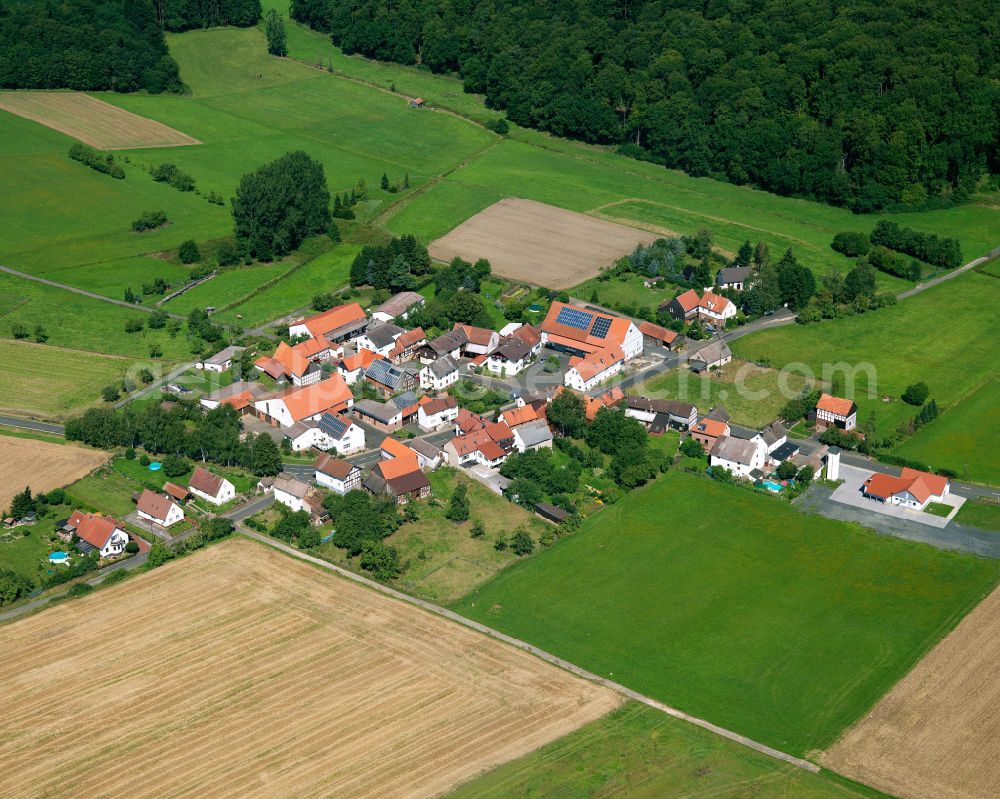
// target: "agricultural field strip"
[[287, 678], [933, 736], [42, 465], [546, 656], [93, 121]]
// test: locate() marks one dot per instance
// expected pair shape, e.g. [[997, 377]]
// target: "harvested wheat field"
[[238, 671], [42, 465], [92, 121], [936, 735], [539, 244]]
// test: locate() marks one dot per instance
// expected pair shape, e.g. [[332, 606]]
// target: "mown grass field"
[[445, 562], [946, 336], [41, 380], [737, 608], [963, 439], [752, 395], [641, 753], [984, 515]]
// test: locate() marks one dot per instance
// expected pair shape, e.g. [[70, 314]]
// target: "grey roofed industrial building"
[[222, 356], [424, 447], [399, 304], [384, 412]]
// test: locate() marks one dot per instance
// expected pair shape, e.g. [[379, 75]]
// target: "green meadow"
[[671, 592], [964, 438], [642, 753], [946, 336]]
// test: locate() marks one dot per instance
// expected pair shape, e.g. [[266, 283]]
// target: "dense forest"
[[858, 103], [103, 44]]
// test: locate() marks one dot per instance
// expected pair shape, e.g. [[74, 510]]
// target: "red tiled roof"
[[362, 359], [657, 332], [597, 362], [312, 347], [922, 485], [155, 505], [94, 529], [580, 339], [835, 405], [498, 431], [688, 300], [335, 467], [395, 448], [294, 363], [515, 416], [467, 421], [398, 466], [176, 491], [711, 427], [479, 336], [330, 320], [205, 481], [714, 302], [440, 404], [592, 405], [528, 335], [271, 367], [305, 401]]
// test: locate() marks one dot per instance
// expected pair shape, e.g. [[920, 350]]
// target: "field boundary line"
[[84, 292], [554, 660]]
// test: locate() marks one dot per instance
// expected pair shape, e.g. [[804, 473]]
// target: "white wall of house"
[[115, 544], [848, 422], [430, 382], [335, 485], [573, 379], [299, 330], [632, 343], [174, 515], [313, 437], [643, 416], [310, 377], [353, 440], [365, 343], [227, 492], [218, 368], [289, 500], [434, 421], [502, 366], [742, 469]]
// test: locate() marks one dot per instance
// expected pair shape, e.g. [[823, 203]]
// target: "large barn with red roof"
[[582, 332]]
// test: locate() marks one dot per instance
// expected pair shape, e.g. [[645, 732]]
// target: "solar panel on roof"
[[601, 327], [574, 317], [332, 426]]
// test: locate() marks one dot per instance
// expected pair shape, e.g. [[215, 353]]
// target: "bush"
[[175, 466], [226, 255], [134, 325], [149, 220], [851, 243], [100, 162], [521, 543], [80, 589], [188, 252], [916, 394], [170, 174], [131, 547], [499, 126], [381, 560]]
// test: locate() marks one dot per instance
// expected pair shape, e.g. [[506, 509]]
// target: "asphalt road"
[[84, 293], [27, 424], [994, 253]]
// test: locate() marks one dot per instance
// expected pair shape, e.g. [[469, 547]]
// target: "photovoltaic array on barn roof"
[[332, 425], [601, 327], [574, 317]]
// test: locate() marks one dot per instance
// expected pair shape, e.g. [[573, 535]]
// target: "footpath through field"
[[539, 653]]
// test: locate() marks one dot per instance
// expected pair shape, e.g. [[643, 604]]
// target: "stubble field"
[[936, 735], [241, 672], [92, 121], [42, 465], [539, 243]]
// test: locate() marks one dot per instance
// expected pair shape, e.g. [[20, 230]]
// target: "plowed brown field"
[[42, 465], [936, 735], [539, 244], [240, 672], [92, 121]]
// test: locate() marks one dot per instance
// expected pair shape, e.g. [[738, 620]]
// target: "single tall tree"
[[274, 30]]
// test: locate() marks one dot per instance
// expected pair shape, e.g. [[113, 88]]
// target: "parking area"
[[849, 493]]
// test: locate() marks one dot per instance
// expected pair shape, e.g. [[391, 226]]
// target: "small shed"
[[551, 512], [417, 102]]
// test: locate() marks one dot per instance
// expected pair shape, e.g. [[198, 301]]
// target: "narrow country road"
[[37, 427], [84, 293], [994, 253], [539, 653]]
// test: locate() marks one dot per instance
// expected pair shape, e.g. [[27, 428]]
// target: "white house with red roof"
[[105, 534], [305, 403], [159, 509], [437, 413], [913, 489], [836, 412], [711, 308], [335, 325], [488, 444], [581, 332], [593, 369], [289, 363], [211, 487]]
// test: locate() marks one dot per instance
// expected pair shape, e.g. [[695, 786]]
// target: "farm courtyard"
[[266, 677]]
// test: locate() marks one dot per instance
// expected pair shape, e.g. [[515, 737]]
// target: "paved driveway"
[[849, 493]]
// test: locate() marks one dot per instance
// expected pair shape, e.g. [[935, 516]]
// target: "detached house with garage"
[[340, 434], [102, 533], [736, 278], [437, 413], [158, 509], [913, 489], [380, 340], [711, 309], [211, 487], [712, 356], [836, 412], [740, 456]]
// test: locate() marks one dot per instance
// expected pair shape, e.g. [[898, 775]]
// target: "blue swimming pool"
[[772, 486], [155, 466]]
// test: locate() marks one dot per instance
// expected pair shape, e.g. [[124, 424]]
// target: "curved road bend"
[[539, 653], [84, 292]]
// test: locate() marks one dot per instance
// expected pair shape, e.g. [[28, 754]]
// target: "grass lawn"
[[752, 395], [47, 381], [938, 336], [445, 562], [782, 626], [640, 753], [984, 515], [938, 509], [24, 553], [226, 287], [624, 290], [958, 438]]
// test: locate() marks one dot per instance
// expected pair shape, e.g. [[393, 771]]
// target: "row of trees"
[[182, 15], [847, 103], [99, 162], [183, 431], [929, 247]]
